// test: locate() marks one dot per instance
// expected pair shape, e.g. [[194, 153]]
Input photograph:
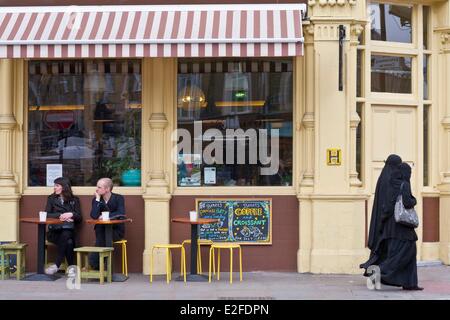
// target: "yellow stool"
[[103, 252], [17, 249], [123, 244], [200, 242], [229, 246], [168, 248], [63, 265]]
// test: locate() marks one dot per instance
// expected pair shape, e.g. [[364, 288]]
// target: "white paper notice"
[[210, 175], [53, 171]]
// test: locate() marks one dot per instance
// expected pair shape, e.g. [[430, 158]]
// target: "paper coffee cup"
[[105, 215], [193, 215], [42, 216]]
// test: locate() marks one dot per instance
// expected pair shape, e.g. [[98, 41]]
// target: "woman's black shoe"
[[413, 288]]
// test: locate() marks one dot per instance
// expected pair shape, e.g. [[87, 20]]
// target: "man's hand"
[[97, 196]]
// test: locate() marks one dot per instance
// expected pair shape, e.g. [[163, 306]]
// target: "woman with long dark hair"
[[63, 205]]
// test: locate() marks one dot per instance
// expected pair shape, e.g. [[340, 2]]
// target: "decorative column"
[[307, 148], [355, 32], [159, 79], [308, 115], [9, 196], [332, 207], [443, 70]]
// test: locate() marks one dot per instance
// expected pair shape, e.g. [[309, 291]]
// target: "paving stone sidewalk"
[[255, 286]]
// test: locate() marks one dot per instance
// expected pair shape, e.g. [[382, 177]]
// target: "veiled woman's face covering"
[[405, 169], [393, 160]]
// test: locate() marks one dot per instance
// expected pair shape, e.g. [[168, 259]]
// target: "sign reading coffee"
[[240, 220]]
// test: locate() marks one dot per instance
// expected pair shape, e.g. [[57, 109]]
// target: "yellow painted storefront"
[[334, 201]]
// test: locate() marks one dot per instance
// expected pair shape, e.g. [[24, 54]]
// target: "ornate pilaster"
[[158, 123], [159, 77], [444, 96], [354, 120], [443, 70], [307, 118], [7, 126], [9, 197], [329, 120]]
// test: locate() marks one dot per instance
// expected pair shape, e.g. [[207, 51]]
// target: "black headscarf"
[[382, 199]]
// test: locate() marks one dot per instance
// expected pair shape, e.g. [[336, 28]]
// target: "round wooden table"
[[194, 276], [42, 231], [116, 277]]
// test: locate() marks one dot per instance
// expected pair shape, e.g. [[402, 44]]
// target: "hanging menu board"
[[246, 221]]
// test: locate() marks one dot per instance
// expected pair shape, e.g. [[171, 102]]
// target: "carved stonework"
[[323, 3], [445, 40]]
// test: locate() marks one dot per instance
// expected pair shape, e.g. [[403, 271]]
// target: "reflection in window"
[[426, 145], [391, 22], [359, 85], [391, 74], [84, 117], [238, 102], [426, 77], [426, 14], [359, 132]]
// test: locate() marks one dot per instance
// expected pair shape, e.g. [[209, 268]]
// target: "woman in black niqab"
[[394, 249], [382, 194]]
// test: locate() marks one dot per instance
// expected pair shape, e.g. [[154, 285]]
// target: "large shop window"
[[234, 123], [84, 121], [391, 22]]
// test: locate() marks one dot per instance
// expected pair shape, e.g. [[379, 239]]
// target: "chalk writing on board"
[[240, 220]]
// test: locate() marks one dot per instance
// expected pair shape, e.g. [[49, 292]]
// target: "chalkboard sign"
[[246, 221]]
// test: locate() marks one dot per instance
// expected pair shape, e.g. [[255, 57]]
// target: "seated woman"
[[63, 205]]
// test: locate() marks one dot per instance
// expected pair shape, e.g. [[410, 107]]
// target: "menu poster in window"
[[53, 171], [246, 221], [210, 175], [189, 169]]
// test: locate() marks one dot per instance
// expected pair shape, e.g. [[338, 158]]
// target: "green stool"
[[103, 252], [4, 265], [17, 249]]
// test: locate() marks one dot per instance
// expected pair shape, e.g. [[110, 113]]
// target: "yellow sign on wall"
[[334, 157]]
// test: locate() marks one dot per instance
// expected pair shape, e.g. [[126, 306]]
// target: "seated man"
[[105, 200]]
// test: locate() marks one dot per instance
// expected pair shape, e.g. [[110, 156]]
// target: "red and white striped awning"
[[151, 31]]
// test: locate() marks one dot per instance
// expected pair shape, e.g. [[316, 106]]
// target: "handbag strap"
[[401, 185]]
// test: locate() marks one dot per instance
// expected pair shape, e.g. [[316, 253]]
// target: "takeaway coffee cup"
[[193, 215], [105, 215], [42, 216]]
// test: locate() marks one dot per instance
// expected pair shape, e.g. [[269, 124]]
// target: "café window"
[[391, 22], [84, 121], [234, 123]]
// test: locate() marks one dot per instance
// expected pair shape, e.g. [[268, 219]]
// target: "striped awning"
[[151, 31]]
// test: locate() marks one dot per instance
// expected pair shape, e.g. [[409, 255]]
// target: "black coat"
[[55, 208], [116, 208], [392, 229], [381, 199]]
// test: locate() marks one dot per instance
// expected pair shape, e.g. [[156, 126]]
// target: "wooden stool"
[[169, 248], [123, 244], [200, 242], [103, 252], [19, 250], [63, 265], [4, 265], [229, 246]]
